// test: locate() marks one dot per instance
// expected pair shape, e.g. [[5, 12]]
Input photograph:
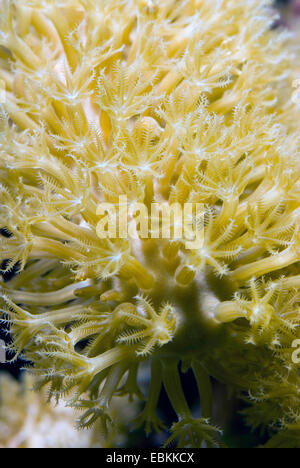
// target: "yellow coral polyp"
[[175, 101], [157, 328]]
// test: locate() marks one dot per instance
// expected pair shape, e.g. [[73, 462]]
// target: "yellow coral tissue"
[[150, 217]]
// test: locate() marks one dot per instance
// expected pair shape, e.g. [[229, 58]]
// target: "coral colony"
[[187, 102]]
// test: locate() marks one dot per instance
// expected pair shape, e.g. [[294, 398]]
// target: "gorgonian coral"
[[181, 102]]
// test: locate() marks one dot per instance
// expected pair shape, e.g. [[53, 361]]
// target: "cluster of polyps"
[[186, 102]]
